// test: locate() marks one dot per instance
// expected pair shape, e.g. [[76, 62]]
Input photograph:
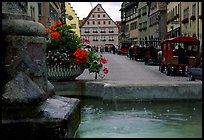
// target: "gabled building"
[[99, 28], [157, 30], [71, 18]]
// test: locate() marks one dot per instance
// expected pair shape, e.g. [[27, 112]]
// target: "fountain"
[[30, 107]]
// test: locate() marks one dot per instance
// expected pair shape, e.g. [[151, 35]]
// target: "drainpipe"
[[180, 19], [198, 20]]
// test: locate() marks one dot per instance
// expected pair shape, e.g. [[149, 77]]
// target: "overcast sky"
[[82, 9]]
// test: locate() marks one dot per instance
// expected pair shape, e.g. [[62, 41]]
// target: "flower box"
[[63, 72]]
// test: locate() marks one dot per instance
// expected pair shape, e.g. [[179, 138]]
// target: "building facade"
[[173, 19], [157, 23], [129, 23], [118, 23], [50, 12], [191, 20], [71, 18], [142, 23], [99, 28], [33, 10]]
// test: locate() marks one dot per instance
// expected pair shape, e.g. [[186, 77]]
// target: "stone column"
[[30, 107]]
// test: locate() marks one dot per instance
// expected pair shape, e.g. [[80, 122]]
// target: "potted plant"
[[66, 58]]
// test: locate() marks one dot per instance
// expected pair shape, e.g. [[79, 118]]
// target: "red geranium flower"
[[81, 56], [56, 24], [103, 60], [47, 30], [105, 70], [55, 35]]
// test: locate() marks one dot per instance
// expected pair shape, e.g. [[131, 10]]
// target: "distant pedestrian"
[[116, 48], [131, 52], [113, 49]]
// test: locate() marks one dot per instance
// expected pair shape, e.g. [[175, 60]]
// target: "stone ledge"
[[111, 90]]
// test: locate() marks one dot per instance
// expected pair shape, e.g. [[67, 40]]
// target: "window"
[[109, 22], [93, 15], [98, 16], [127, 27], [103, 38], [139, 12], [111, 30], [104, 22], [144, 10], [123, 14], [176, 12], [73, 26], [39, 8], [186, 13], [86, 30], [98, 9], [140, 26], [145, 25], [88, 22], [104, 15], [98, 22], [93, 22], [95, 38], [95, 30], [32, 12], [194, 10], [133, 26], [111, 38], [103, 30], [173, 13]]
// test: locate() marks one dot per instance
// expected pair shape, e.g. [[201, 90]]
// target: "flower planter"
[[64, 72]]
